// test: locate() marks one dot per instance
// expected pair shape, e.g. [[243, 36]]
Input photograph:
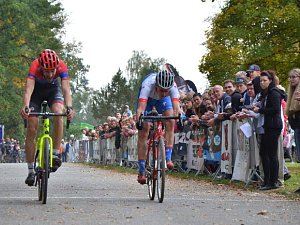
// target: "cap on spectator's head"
[[241, 80], [253, 67], [126, 106]]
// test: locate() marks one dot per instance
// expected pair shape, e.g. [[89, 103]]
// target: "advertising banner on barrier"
[[195, 158], [226, 157], [212, 146], [242, 160], [1, 133]]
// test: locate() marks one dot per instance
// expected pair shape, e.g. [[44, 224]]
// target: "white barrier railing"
[[226, 146]]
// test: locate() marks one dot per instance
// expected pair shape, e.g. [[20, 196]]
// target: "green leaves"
[[253, 31], [27, 27]]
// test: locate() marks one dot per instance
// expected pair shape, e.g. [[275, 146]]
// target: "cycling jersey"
[[35, 73], [45, 90], [148, 89]]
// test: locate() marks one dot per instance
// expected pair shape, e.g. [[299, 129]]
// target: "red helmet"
[[48, 59]]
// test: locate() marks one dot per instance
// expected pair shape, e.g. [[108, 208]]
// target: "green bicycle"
[[44, 150]]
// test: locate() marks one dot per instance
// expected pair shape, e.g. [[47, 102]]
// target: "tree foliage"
[[111, 98], [27, 27], [265, 32]]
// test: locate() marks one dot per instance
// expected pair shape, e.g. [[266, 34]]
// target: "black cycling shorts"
[[45, 92]]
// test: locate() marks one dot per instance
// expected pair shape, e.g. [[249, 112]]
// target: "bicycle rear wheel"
[[161, 172], [45, 172], [150, 172]]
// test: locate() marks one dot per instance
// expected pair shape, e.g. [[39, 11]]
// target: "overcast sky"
[[111, 30]]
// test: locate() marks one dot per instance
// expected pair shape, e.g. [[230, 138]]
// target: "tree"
[[27, 27], [120, 91], [252, 31]]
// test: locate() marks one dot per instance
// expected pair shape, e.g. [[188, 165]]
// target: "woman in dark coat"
[[271, 109]]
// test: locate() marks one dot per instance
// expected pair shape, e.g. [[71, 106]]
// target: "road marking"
[[168, 199]]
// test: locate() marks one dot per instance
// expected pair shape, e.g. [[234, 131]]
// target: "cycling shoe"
[[170, 165], [30, 179], [141, 179], [56, 163]]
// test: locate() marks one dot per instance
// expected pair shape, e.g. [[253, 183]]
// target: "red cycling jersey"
[[35, 72]]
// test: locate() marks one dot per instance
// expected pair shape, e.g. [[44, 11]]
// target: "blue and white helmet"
[[165, 77]]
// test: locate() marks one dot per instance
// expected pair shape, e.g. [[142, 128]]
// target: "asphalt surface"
[[80, 194]]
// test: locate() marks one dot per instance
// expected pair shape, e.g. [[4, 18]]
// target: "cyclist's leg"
[[32, 125], [56, 103], [142, 146], [57, 134]]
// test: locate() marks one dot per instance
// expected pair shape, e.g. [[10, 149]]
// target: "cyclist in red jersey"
[[43, 85], [160, 91]]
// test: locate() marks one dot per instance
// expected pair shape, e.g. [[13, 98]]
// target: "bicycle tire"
[[161, 170], [150, 170], [45, 172], [38, 170]]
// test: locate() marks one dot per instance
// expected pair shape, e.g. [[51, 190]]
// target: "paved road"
[[80, 194]]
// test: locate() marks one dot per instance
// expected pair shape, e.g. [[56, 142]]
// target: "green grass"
[[288, 190]]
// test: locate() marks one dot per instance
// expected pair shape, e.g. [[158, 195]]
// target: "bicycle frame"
[[43, 162], [155, 134], [41, 141], [156, 156]]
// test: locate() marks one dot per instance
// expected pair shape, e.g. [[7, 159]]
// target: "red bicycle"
[[156, 156]]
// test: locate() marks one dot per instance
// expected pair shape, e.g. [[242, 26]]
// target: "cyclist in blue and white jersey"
[[160, 91]]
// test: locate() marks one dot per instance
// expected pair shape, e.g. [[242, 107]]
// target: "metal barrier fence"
[[229, 149]]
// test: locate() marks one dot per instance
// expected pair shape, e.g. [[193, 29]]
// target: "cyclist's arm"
[[176, 107], [142, 104], [65, 85], [28, 91]]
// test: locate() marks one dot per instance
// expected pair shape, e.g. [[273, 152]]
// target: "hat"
[[253, 67], [240, 80]]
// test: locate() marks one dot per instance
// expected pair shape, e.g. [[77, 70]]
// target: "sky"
[[110, 30]]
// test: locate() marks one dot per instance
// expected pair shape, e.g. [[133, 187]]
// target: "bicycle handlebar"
[[160, 117], [47, 115]]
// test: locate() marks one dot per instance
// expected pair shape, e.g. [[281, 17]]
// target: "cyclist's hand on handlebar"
[[70, 113], [139, 123], [25, 112]]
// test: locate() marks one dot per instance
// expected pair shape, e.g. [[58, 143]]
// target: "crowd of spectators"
[[251, 94], [121, 124], [10, 150]]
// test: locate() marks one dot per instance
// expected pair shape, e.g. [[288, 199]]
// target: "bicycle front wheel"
[[45, 172], [150, 171], [161, 170]]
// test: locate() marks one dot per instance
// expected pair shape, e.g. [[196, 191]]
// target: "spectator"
[[118, 115], [253, 73], [293, 107], [230, 89], [223, 107], [64, 151], [241, 86], [127, 111], [198, 104], [271, 108]]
